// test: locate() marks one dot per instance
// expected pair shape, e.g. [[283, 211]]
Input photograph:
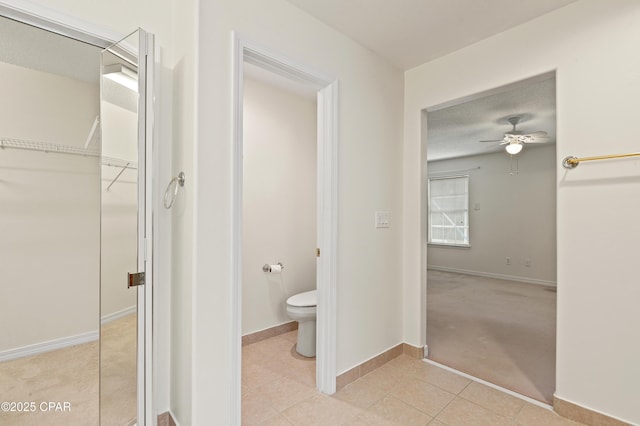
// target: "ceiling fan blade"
[[541, 139], [538, 140], [493, 140], [538, 134]]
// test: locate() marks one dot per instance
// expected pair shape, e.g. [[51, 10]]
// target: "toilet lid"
[[307, 298]]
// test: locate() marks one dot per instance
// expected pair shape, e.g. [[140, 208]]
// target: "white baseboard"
[[492, 275], [117, 315], [51, 345], [64, 342], [173, 418]]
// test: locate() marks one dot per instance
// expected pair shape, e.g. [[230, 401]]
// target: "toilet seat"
[[302, 300]]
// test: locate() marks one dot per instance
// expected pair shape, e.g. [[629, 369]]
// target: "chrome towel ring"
[[170, 196]]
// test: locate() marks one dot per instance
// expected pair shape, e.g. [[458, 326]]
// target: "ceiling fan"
[[515, 139]]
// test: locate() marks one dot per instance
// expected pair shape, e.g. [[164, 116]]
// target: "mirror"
[[119, 232], [50, 227], [71, 184], [492, 236]]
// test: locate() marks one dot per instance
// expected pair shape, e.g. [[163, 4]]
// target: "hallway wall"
[[588, 43], [369, 307]]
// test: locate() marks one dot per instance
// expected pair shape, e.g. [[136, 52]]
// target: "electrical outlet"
[[508, 260], [382, 219], [527, 263]]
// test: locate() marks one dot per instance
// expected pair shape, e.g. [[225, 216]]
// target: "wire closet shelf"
[[65, 149]]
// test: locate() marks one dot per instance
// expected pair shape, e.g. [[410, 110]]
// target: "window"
[[448, 219]]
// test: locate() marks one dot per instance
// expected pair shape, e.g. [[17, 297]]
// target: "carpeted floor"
[[500, 331], [118, 391], [70, 376], [67, 375]]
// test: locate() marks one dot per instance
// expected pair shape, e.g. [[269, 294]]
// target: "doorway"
[[491, 221], [279, 235], [326, 237]]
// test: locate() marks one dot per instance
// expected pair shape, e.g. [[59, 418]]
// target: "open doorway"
[[491, 256], [279, 240], [326, 92]]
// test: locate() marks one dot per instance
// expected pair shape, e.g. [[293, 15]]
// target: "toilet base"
[[306, 345]]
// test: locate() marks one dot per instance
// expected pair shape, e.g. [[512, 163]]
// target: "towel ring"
[[177, 182]]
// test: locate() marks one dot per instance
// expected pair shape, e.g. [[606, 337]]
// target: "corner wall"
[[588, 43]]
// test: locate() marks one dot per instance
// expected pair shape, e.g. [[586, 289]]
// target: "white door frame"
[[67, 26], [146, 237], [327, 193]]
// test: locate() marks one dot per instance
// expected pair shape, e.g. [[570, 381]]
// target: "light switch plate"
[[382, 219]]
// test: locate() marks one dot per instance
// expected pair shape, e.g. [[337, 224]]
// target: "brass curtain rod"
[[572, 162]]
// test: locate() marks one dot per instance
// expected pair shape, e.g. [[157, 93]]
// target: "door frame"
[[248, 51], [424, 203], [65, 25], [146, 236]]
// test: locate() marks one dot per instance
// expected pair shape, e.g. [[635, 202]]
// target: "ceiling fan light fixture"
[[513, 147]]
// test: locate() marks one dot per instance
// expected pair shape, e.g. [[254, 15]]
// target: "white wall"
[[279, 202], [119, 229], [183, 101], [370, 156], [589, 44], [119, 208], [50, 215], [516, 216], [370, 166]]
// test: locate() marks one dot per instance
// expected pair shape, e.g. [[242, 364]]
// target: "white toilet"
[[302, 308]]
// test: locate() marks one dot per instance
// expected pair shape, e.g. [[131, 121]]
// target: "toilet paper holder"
[[267, 267]]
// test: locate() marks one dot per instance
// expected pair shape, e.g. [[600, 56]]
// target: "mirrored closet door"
[[73, 220], [126, 231], [119, 232], [50, 227]]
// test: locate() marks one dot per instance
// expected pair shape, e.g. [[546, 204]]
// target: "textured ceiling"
[[40, 50], [457, 129], [34, 48], [411, 32]]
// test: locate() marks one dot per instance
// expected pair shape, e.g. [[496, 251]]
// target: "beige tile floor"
[[278, 389]]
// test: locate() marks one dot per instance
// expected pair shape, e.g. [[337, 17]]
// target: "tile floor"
[[278, 389]]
